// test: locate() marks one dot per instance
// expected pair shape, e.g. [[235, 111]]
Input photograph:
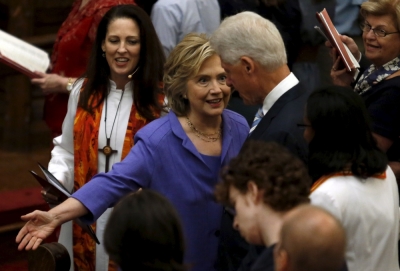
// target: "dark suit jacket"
[[278, 125], [280, 122]]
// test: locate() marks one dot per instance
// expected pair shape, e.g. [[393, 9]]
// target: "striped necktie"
[[257, 119]]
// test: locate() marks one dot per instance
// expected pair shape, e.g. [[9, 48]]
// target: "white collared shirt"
[[289, 82]]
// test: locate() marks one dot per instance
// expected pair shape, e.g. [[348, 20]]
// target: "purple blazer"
[[165, 160]]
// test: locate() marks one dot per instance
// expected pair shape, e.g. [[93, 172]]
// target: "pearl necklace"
[[203, 136]]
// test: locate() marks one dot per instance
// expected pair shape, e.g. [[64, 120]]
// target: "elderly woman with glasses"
[[379, 84]]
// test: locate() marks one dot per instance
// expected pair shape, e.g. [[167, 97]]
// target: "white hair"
[[249, 34]]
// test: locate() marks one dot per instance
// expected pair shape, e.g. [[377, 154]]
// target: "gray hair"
[[249, 34]]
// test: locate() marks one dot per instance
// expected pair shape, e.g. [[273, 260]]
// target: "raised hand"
[[341, 76], [39, 226], [350, 43]]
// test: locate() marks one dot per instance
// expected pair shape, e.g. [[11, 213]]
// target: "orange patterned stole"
[[86, 130], [321, 180]]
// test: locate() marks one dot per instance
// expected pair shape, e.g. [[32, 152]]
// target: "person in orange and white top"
[[352, 179], [119, 94]]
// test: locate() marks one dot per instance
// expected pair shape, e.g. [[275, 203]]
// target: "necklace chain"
[[203, 136], [116, 113]]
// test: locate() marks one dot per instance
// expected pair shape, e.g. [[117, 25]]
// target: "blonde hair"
[[382, 7], [183, 63]]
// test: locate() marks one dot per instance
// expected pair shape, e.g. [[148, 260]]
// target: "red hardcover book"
[[333, 36]]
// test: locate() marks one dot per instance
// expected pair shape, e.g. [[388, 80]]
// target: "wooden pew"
[[49, 257]]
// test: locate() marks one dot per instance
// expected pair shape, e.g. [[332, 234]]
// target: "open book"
[[22, 56], [331, 34], [55, 188]]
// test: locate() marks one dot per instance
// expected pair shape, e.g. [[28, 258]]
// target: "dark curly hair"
[[282, 176]]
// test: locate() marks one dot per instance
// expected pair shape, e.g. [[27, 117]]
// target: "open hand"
[[39, 226]]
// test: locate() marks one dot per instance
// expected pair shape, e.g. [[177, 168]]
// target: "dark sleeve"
[[251, 261], [295, 143], [232, 247]]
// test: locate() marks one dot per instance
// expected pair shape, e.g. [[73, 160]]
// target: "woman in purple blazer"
[[178, 155]]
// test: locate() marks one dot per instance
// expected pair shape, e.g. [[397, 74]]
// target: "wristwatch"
[[69, 84]]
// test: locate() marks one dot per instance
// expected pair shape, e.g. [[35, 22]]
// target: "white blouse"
[[369, 212], [61, 164], [62, 155]]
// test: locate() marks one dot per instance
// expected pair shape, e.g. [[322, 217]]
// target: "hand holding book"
[[22, 56], [335, 39]]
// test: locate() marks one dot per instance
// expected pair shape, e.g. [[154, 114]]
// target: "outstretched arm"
[[41, 224]]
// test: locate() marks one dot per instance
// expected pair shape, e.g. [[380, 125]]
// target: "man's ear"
[[254, 192], [247, 63], [281, 259]]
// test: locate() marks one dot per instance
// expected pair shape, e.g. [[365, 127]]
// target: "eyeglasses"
[[377, 31]]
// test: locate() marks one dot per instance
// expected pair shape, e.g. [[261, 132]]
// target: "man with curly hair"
[[262, 185]]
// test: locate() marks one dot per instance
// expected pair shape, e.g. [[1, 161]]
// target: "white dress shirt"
[[289, 82]]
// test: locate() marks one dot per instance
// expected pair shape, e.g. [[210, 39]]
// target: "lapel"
[[290, 95], [226, 136]]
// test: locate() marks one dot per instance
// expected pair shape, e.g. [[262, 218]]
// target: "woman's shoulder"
[[156, 130], [391, 83], [77, 86], [386, 92], [235, 118], [336, 183]]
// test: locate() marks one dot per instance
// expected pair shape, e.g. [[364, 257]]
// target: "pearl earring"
[[104, 54]]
